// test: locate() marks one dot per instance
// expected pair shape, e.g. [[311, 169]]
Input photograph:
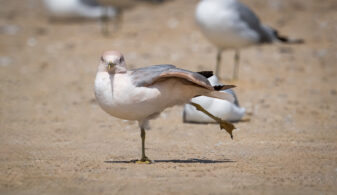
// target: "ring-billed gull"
[[229, 24], [223, 109], [142, 94]]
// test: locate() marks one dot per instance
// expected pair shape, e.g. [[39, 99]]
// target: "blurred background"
[[55, 139]]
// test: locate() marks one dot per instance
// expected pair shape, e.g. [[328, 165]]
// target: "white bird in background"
[[105, 10], [229, 24], [123, 4], [88, 9], [79, 9], [223, 109], [142, 94]]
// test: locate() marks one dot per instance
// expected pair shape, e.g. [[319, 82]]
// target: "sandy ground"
[[56, 140]]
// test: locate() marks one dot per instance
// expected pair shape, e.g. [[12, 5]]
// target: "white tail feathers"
[[221, 95]]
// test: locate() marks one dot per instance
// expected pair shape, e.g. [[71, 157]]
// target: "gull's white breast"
[[118, 96], [221, 24]]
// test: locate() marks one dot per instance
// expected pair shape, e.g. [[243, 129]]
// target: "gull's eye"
[[102, 59], [121, 59]]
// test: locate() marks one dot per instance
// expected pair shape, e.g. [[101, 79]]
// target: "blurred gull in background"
[[79, 9], [229, 24], [223, 109], [124, 4], [142, 94], [105, 10]]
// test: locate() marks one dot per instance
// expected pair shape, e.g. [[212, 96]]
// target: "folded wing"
[[147, 76]]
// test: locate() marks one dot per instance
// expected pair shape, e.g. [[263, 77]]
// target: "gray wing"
[[149, 75], [231, 91], [249, 17], [145, 76], [90, 3]]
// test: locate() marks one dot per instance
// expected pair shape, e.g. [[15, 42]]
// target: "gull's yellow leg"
[[144, 158], [229, 127], [105, 22]]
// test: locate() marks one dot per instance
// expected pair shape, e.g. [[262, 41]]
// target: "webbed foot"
[[144, 160], [229, 127]]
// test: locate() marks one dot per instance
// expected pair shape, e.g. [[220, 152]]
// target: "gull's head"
[[112, 62]]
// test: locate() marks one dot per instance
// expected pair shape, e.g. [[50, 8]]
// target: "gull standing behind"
[[142, 94], [223, 109], [229, 24]]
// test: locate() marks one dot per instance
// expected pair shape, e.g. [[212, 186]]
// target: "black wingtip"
[[223, 87], [289, 40], [206, 74], [285, 39]]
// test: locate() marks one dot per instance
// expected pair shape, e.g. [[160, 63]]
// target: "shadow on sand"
[[191, 160]]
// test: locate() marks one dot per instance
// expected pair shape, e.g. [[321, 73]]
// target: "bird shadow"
[[188, 161]]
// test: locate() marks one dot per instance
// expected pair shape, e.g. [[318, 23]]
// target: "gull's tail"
[[271, 35], [285, 39], [218, 88], [217, 93]]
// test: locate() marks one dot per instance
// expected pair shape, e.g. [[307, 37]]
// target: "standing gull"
[[229, 24], [142, 94]]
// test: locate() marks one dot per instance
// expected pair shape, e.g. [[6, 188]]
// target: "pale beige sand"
[[54, 139]]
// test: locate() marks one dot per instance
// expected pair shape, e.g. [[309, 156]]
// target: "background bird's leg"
[[229, 127], [105, 22], [236, 64], [118, 21], [218, 62]]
